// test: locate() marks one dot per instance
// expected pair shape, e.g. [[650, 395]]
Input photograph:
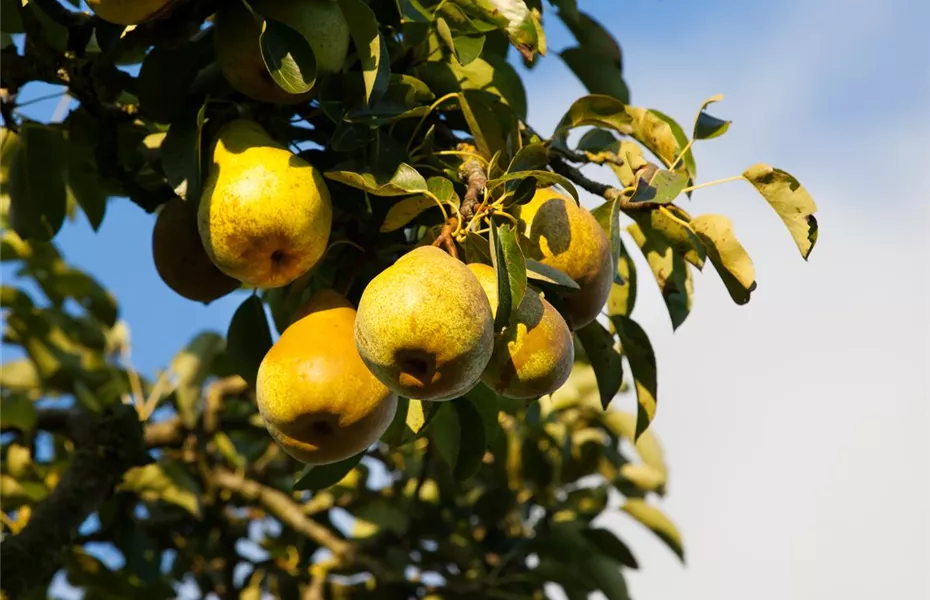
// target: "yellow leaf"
[[790, 200], [727, 255], [657, 522]]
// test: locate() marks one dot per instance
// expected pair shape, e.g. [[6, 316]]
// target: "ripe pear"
[[318, 399], [425, 327], [265, 213], [180, 259], [127, 12], [238, 52], [533, 357], [567, 237]]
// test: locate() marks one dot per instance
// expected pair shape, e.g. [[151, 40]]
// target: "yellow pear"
[[180, 259], [318, 399], [238, 53], [534, 355], [265, 213], [425, 327], [127, 12], [567, 237]]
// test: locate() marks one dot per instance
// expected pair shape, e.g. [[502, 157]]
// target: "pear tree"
[[414, 396]]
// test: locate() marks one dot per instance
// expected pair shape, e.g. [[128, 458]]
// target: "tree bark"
[[107, 447]]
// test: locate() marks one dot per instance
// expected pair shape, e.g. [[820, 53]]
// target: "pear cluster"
[[424, 328], [425, 325]]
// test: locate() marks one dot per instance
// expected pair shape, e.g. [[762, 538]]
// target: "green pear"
[[180, 259], [425, 327], [533, 356], [127, 12], [265, 213], [238, 51], [318, 399], [567, 237]]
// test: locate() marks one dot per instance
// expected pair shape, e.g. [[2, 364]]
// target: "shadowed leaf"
[[248, 339], [727, 255], [707, 127], [607, 363], [323, 476], [638, 351]]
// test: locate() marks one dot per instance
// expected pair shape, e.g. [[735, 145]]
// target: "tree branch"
[[108, 446], [607, 192], [475, 178], [284, 508]]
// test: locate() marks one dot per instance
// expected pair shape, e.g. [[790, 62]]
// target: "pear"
[[127, 12], [180, 259], [265, 213], [533, 357], [319, 401], [567, 237], [425, 327], [238, 52]]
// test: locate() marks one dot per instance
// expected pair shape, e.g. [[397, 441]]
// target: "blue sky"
[[796, 427]]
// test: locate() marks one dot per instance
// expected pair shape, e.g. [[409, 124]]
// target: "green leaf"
[[166, 482], [446, 434], [37, 181], [10, 21], [405, 180], [655, 130], [514, 17], [531, 157], [248, 339], [406, 210], [790, 200], [510, 265], [17, 412], [607, 363], [320, 477], [441, 191], [608, 216], [467, 48], [545, 274], [543, 179], [707, 127], [489, 122], [622, 296], [490, 74], [411, 421], [288, 57], [191, 366], [84, 181], [593, 37], [611, 546], [638, 351], [608, 577], [670, 223], [486, 401], [363, 27], [669, 268], [472, 441], [166, 76], [598, 75], [657, 522], [727, 255], [180, 152], [662, 187]]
